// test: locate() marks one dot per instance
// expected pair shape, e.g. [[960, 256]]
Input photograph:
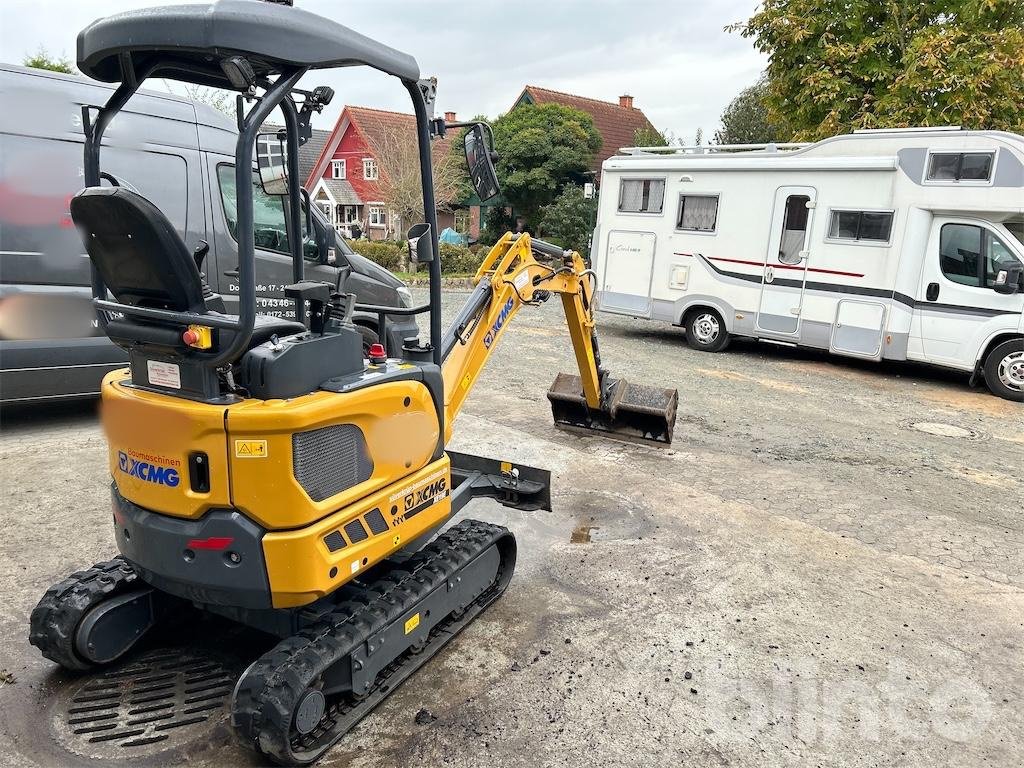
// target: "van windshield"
[[270, 230]]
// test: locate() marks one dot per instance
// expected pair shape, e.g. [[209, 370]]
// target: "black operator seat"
[[144, 262]]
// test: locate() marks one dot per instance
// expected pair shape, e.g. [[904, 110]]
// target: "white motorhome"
[[904, 244]]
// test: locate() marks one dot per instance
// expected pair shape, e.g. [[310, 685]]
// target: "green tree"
[[569, 219], [745, 120], [835, 66], [541, 148], [42, 60], [649, 136]]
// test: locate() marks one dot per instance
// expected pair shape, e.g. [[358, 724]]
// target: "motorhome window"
[[960, 252], [997, 257], [698, 213], [960, 166], [641, 195], [271, 233], [794, 229], [875, 226]]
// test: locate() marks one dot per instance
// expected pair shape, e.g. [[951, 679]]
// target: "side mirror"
[[480, 161], [271, 151], [421, 244], [1008, 279]]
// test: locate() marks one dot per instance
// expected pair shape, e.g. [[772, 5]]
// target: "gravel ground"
[[824, 569]]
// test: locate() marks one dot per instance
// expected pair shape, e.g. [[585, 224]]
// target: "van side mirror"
[[271, 151], [480, 159], [421, 244], [1009, 279]]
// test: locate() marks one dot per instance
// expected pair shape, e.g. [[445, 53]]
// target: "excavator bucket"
[[631, 410]]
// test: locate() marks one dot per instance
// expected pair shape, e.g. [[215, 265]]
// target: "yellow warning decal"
[[467, 380], [412, 622], [506, 466], [250, 449]]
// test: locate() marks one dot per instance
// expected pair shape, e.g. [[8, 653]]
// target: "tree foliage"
[[649, 136], [745, 120], [398, 163], [835, 66], [541, 148], [41, 59], [569, 219]]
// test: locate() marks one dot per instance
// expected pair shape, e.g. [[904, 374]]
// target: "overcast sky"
[[673, 56]]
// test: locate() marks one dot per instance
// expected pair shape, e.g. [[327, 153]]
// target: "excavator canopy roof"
[[188, 42]]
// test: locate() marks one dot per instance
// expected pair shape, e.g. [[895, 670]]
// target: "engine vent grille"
[[376, 522], [328, 460], [355, 531], [334, 541]]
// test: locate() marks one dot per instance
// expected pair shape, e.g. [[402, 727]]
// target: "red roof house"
[[617, 123], [345, 180]]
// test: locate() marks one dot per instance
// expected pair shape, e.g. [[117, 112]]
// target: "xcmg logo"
[[502, 317], [144, 470]]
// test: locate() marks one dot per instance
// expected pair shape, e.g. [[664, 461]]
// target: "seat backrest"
[[138, 252]]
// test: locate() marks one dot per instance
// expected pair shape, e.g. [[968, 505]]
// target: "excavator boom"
[[520, 270]]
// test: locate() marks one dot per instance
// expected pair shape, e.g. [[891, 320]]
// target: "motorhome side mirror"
[[480, 162], [1008, 279], [421, 244], [271, 151]]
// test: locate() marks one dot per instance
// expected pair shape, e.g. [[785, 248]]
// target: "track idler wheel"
[[94, 616]]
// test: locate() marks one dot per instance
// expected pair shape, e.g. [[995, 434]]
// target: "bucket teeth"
[[630, 410]]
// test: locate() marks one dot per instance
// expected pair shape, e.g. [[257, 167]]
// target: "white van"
[[904, 244]]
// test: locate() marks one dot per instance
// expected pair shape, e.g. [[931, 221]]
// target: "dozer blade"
[[631, 410]]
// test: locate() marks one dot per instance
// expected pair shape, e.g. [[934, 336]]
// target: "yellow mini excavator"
[[264, 471]]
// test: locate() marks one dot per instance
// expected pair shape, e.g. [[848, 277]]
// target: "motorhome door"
[[785, 261], [628, 266]]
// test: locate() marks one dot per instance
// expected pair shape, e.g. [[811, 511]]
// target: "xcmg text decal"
[[152, 470], [502, 317]]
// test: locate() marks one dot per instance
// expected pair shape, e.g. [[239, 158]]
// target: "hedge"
[[455, 259]]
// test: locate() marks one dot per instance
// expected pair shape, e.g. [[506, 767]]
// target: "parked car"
[[903, 244], [180, 155]]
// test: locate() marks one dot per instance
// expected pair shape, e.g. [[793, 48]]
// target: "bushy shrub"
[[384, 252], [458, 259]]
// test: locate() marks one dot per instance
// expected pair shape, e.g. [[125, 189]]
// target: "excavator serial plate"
[[633, 411]]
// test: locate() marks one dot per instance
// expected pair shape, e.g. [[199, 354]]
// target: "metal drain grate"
[[159, 699]]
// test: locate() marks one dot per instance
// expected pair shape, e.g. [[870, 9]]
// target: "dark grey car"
[[180, 155]]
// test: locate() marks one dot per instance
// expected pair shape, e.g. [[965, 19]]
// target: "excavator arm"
[[520, 271]]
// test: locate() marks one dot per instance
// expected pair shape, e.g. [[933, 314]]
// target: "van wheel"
[[1004, 370], [705, 331], [369, 337]]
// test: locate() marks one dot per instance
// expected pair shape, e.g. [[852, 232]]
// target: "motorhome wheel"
[[705, 331], [1004, 370]]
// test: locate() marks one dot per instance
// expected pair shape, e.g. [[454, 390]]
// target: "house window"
[[874, 226], [370, 172], [960, 166], [337, 169], [462, 221], [350, 213], [641, 195], [971, 255], [697, 213], [377, 217]]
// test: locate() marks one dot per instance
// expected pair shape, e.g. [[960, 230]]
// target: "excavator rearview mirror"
[[271, 151], [421, 245], [480, 161]]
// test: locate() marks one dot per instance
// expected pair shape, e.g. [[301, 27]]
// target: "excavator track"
[[54, 623], [297, 700]]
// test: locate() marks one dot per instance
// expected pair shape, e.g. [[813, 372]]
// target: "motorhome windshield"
[[1016, 228]]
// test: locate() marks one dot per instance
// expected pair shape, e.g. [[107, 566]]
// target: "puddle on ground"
[[581, 534]]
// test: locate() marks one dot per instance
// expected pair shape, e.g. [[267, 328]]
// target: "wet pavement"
[[824, 569]]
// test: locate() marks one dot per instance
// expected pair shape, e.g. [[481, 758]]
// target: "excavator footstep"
[[632, 410]]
